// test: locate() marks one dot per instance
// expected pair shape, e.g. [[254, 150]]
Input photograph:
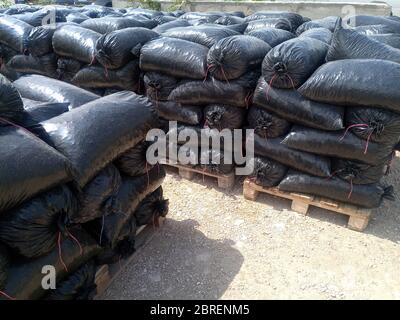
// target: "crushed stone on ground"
[[217, 245]]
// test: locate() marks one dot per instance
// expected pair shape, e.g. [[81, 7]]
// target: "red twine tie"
[[7, 296], [60, 252]]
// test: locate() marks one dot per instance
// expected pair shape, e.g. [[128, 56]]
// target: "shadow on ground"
[[179, 263]]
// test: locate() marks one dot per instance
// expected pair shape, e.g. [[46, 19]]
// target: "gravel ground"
[[216, 245]]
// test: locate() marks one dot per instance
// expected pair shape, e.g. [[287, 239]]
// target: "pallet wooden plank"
[[357, 223], [187, 174], [225, 181], [300, 207], [102, 278], [249, 193], [358, 217]]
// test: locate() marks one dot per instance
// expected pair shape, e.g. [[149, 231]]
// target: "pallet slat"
[[358, 217], [225, 181]]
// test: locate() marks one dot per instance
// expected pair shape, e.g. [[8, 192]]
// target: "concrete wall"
[[311, 9]]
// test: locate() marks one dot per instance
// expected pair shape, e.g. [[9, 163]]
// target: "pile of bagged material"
[[74, 185], [83, 45], [201, 70], [203, 75], [326, 122]]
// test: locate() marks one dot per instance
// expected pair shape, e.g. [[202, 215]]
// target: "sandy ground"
[[217, 245]]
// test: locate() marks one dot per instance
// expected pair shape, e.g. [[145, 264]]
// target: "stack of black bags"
[[74, 186], [326, 121], [195, 76]]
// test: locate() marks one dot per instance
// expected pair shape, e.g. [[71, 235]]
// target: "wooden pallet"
[[358, 217], [107, 273], [225, 181]]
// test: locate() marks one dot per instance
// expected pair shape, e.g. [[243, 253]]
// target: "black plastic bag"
[[357, 172], [46, 89], [189, 152], [148, 13], [395, 18], [239, 14], [67, 68], [6, 53], [11, 104], [391, 39], [159, 86], [91, 150], [45, 65], [235, 93], [277, 23], [229, 20], [122, 250], [76, 17], [42, 16], [292, 106], [36, 113], [10, 74], [349, 44], [125, 78], [37, 168], [209, 17], [94, 11], [206, 35], [108, 24], [303, 161], [173, 111], [20, 8], [133, 162], [96, 198], [163, 19], [289, 64], [377, 83], [272, 36], [266, 124], [368, 196], [220, 116], [39, 40], [321, 34], [174, 57], [4, 265], [373, 124], [327, 23], [111, 229], [117, 48], [366, 20], [79, 285], [151, 208], [13, 32], [267, 173], [28, 103], [75, 42], [214, 161], [145, 22], [240, 28], [31, 230], [25, 277], [339, 144], [375, 29], [295, 19], [169, 25], [231, 57]]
